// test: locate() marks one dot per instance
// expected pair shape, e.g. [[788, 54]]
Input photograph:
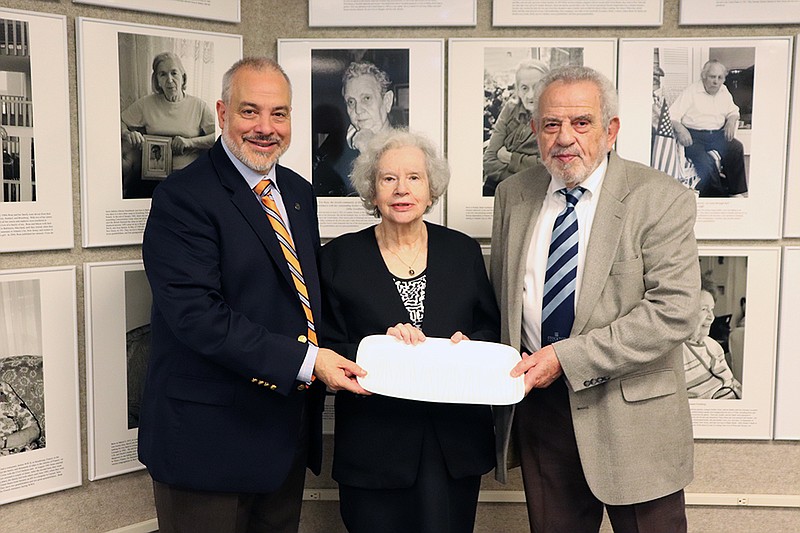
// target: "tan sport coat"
[[638, 302]]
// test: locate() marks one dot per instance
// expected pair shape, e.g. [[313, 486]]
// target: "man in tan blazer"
[[607, 421]]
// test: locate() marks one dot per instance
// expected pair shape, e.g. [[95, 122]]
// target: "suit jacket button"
[[302, 386], [273, 387], [302, 338]]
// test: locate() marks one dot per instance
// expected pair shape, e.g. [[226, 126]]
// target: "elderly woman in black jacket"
[[406, 465]]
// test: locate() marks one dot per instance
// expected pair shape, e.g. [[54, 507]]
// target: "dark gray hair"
[[609, 101], [365, 168], [160, 58], [259, 64]]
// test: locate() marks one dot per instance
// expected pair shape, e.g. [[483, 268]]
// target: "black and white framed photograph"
[[491, 84], [153, 114], [36, 175], [711, 125], [346, 13], [224, 10], [577, 13], [791, 222], [355, 94], [787, 393], [346, 91], [738, 12], [118, 302], [729, 359], [39, 422], [156, 157]]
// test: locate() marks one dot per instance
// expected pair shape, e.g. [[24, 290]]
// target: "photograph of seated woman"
[[512, 146], [708, 375], [405, 465], [19, 429], [168, 112]]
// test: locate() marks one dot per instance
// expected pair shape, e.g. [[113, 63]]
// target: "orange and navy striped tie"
[[264, 190]]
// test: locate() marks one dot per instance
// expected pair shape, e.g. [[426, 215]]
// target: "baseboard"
[[698, 499], [142, 527]]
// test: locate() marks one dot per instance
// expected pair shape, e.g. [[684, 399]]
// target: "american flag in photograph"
[[665, 149]]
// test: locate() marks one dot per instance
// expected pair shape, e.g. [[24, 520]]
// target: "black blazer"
[[378, 439], [225, 313]]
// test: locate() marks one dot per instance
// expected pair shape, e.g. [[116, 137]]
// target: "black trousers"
[[435, 503], [558, 498]]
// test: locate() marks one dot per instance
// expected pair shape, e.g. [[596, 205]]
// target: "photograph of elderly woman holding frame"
[[168, 128]]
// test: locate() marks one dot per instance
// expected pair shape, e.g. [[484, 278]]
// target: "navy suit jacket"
[[221, 409]]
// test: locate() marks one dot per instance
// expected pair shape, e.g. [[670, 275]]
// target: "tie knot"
[[572, 195], [263, 187]]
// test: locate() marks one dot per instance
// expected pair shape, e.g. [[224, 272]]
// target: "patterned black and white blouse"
[[412, 292]]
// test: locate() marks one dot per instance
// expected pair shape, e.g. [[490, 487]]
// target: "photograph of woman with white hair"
[[708, 375], [512, 146]]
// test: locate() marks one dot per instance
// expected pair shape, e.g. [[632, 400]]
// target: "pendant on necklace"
[[410, 271]]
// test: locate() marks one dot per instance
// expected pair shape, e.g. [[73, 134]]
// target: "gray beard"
[[258, 164], [572, 181]]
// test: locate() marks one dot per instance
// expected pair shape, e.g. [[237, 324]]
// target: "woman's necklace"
[[409, 266]]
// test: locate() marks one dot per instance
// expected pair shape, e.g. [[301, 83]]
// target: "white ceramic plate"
[[437, 370]]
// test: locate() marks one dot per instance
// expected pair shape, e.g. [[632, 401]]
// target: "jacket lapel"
[[522, 220], [603, 242], [244, 200]]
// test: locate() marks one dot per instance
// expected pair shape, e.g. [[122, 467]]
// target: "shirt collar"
[[250, 176]]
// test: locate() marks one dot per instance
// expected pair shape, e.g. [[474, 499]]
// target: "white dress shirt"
[[536, 264]]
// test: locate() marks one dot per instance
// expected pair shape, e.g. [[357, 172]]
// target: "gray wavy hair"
[[365, 168], [365, 68], [609, 101]]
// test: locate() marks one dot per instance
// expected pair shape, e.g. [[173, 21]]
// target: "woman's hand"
[[457, 337], [133, 138], [180, 144], [406, 333]]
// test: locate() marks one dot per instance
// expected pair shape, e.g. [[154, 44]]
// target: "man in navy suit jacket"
[[231, 415]]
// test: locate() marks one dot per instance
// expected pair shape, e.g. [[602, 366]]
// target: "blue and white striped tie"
[[558, 302]]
